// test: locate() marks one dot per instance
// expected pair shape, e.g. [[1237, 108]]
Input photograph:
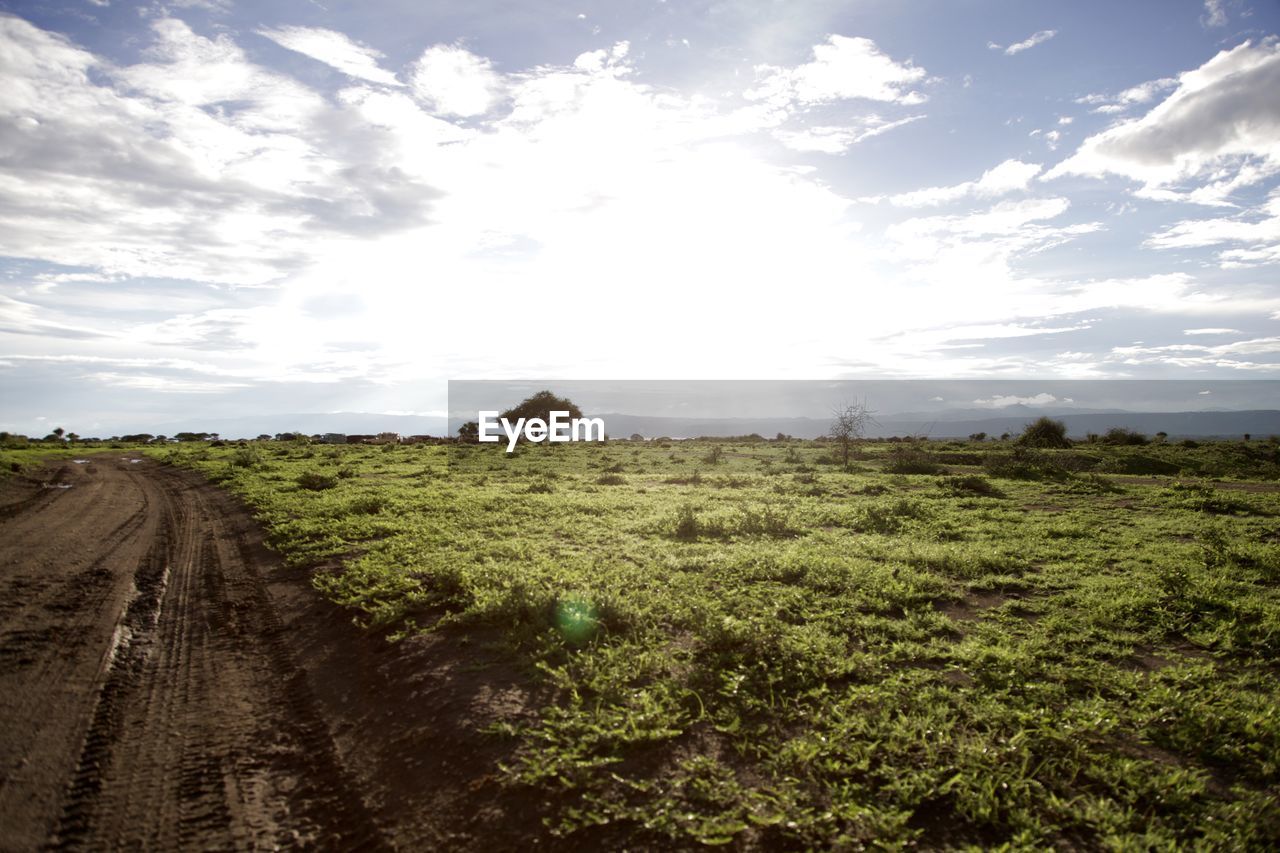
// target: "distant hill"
[[950, 424], [361, 423], [936, 425]]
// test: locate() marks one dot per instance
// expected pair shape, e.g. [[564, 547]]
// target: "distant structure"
[[387, 438], [360, 439], [333, 438]]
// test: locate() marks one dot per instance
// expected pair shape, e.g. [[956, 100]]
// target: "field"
[[744, 643]]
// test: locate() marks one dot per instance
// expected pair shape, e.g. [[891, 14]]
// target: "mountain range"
[[953, 423]]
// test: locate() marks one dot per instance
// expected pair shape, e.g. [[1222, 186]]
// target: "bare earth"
[[166, 684]]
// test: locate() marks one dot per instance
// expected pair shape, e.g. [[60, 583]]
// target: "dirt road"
[[147, 697]]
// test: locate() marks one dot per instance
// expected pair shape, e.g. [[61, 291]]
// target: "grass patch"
[[783, 654]]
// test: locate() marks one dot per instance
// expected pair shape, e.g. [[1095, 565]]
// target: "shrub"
[[367, 505], [1141, 464], [247, 457], [765, 521], [890, 518], [970, 485], [1045, 432], [317, 481], [611, 480], [908, 459], [1024, 464], [714, 455], [687, 524], [1124, 437]]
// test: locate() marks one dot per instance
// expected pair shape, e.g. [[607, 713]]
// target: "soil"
[[165, 683]]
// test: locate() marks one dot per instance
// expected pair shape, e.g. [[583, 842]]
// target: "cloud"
[[1010, 176], [1196, 355], [1139, 94], [1220, 128], [842, 68], [1210, 331], [192, 164], [1004, 401], [1256, 235], [333, 49], [371, 218], [837, 140], [453, 81], [1215, 13], [1026, 44]]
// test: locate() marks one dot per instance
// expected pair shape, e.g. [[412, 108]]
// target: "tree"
[[470, 431], [849, 424], [978, 436], [58, 433], [541, 405], [1045, 432], [72, 437]]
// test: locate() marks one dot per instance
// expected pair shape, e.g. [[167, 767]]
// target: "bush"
[[1024, 464], [317, 481], [970, 485], [1122, 437], [367, 505], [1141, 464], [908, 459], [687, 524], [611, 480], [247, 457], [1045, 432]]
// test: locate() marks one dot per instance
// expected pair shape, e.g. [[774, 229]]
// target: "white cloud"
[[1009, 176], [1215, 13], [1220, 129], [842, 68], [1196, 355], [453, 81], [375, 220], [1139, 94], [837, 140], [1256, 235], [1004, 401], [194, 164], [1029, 42], [333, 49], [1210, 331]]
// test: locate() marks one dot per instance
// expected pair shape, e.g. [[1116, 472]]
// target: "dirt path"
[[148, 698]]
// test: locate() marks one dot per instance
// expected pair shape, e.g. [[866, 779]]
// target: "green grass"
[[17, 459], [754, 646]]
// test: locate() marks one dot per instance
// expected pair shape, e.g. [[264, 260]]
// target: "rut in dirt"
[[147, 694]]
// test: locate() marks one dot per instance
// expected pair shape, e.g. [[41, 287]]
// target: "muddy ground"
[[165, 683]]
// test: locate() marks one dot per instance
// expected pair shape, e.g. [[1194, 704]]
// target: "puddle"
[[134, 461], [81, 461], [57, 485]]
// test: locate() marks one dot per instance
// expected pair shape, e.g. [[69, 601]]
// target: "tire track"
[[198, 729]]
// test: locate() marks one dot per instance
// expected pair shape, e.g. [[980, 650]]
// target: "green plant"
[[317, 481]]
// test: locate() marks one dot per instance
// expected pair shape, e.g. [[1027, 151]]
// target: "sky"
[[211, 209]]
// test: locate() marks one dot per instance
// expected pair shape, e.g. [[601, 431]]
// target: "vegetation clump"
[[1045, 432], [317, 481]]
